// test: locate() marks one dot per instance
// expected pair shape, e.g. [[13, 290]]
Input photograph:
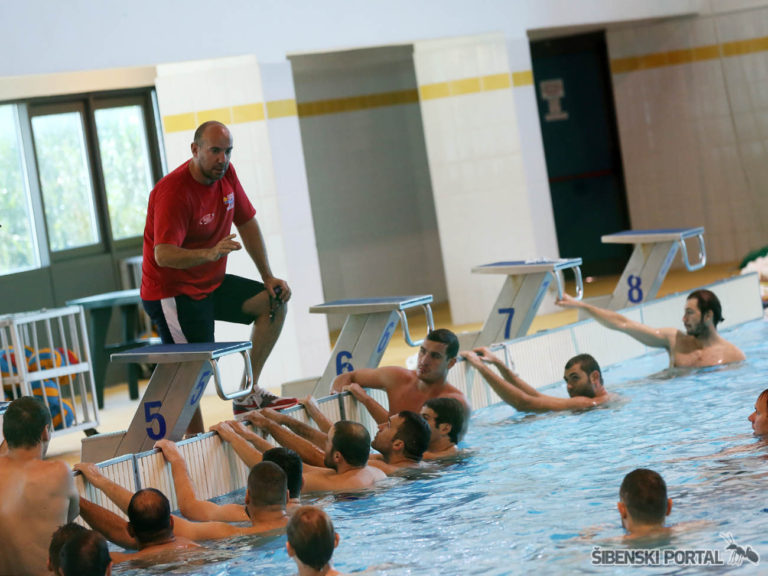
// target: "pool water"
[[530, 486]]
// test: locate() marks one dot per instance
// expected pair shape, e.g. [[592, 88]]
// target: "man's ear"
[[289, 549], [622, 508], [336, 539], [46, 435], [669, 506], [398, 445], [247, 497], [132, 532], [109, 570], [445, 428], [451, 362]]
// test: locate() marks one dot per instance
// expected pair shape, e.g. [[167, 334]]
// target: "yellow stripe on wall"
[[282, 108], [524, 78], [248, 113], [179, 122], [469, 85], [353, 103], [698, 54]]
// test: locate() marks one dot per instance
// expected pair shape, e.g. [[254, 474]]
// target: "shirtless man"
[[37, 496], [85, 553], [311, 541], [150, 526], [401, 441], [445, 417], [409, 389], [699, 346], [759, 418], [265, 499], [643, 504], [202, 510], [582, 375], [342, 464]]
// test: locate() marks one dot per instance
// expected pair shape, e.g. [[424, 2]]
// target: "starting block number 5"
[[152, 417]]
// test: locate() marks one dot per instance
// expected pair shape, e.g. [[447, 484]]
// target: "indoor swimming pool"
[[538, 493]]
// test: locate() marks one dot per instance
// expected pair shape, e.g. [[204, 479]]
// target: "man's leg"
[[247, 302]]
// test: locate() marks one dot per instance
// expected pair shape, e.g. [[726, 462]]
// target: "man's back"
[[35, 502]]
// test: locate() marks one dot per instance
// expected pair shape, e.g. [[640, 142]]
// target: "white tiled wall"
[[484, 211], [267, 155], [694, 135]]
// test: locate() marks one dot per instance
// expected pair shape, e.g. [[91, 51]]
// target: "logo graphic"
[[738, 553], [676, 556], [229, 201], [207, 219]]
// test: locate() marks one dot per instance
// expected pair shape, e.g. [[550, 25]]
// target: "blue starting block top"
[[371, 305], [516, 267], [108, 299], [646, 236], [170, 353]]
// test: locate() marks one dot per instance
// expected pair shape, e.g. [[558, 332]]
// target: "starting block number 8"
[[635, 294]]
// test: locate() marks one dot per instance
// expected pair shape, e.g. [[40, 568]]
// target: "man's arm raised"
[[119, 495], [519, 399], [309, 453], [383, 378], [508, 375], [109, 524], [654, 337], [376, 410], [189, 505]]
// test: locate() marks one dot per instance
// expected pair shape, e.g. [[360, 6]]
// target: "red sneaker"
[[262, 399]]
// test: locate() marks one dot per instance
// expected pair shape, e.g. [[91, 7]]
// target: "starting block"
[[171, 397], [520, 297], [367, 331], [650, 261]]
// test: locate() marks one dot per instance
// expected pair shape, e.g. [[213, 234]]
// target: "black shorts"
[[182, 319]]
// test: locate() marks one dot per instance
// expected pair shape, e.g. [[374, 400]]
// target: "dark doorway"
[[581, 143]]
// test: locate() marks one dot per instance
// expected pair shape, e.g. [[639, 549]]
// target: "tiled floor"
[[119, 409]]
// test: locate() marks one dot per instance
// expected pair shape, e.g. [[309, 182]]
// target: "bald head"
[[205, 127], [149, 515]]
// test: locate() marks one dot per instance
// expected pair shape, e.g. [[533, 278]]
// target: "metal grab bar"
[[702, 252], [576, 275], [406, 331], [247, 381]]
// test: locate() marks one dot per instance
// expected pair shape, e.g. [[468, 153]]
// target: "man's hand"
[[271, 283], [257, 419], [356, 390], [224, 430], [471, 357], [91, 472], [224, 247], [169, 449], [568, 301], [485, 353], [274, 415]]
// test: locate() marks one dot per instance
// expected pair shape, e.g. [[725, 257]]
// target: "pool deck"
[[119, 409]]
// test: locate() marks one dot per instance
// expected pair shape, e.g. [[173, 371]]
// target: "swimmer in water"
[[700, 345], [583, 378], [311, 541], [643, 504]]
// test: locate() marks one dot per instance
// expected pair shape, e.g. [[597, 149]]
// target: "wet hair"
[[85, 554], [291, 464], [352, 441], [267, 485], [449, 411], [706, 301], [311, 535], [24, 422], [149, 514], [415, 433], [198, 137], [444, 336], [588, 364], [644, 493], [60, 537]]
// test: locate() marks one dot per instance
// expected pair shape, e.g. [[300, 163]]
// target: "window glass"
[[63, 167], [126, 167], [18, 246]]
